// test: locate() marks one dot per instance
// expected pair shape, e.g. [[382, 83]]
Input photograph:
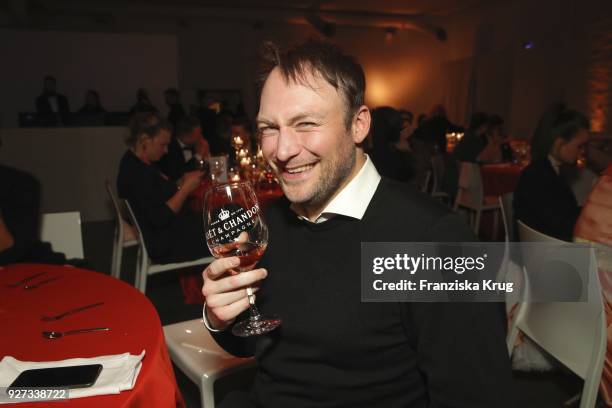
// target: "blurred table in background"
[[499, 179]]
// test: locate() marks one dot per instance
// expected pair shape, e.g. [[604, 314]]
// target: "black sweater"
[[545, 201], [332, 350], [170, 237]]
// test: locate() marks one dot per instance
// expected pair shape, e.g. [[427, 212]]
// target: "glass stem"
[[254, 315]]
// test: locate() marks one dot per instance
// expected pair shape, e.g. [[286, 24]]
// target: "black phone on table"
[[81, 376]]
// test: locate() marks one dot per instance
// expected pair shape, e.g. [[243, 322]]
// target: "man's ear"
[[361, 124]]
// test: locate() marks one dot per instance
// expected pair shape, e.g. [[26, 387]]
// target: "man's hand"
[[225, 291], [191, 180]]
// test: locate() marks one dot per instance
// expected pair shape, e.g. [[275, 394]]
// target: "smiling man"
[[332, 350]]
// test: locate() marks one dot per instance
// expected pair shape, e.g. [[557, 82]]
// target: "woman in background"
[[171, 231], [92, 106], [543, 199]]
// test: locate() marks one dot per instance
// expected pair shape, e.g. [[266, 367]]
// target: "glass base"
[[255, 325]]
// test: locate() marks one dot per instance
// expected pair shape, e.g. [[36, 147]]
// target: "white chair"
[[437, 174], [145, 266], [507, 213], [197, 355], [470, 195], [425, 182], [125, 234], [572, 332], [63, 231]]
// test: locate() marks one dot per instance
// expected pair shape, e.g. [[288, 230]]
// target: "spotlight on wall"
[[390, 34], [528, 45]]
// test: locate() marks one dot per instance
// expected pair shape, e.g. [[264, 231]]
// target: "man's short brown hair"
[[315, 57]]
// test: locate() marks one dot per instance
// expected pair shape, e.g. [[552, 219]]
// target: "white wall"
[[571, 46], [404, 73], [113, 64], [70, 163]]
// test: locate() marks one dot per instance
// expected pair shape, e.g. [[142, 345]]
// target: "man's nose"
[[288, 145]]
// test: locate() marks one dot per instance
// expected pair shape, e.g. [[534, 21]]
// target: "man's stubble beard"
[[332, 176]]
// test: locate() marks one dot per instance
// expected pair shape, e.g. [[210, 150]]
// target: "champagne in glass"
[[234, 226]]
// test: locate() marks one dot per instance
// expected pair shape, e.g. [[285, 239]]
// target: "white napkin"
[[119, 373]]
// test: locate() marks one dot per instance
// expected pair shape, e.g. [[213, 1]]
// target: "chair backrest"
[[437, 172], [572, 332], [528, 234], [505, 204], [470, 185], [63, 231], [111, 194], [141, 242], [425, 182]]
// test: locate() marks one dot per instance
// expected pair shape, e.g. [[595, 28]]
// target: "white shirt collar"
[[353, 200], [554, 163]]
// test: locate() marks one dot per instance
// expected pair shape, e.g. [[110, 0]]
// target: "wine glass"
[[218, 169], [234, 226]]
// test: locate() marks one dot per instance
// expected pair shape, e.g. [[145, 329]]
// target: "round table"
[[499, 179], [132, 319]]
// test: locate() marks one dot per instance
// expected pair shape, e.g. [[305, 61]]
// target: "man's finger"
[[229, 312], [234, 282], [219, 267], [227, 298]]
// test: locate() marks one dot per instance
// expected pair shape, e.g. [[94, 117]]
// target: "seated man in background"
[[185, 150], [20, 220], [51, 102]]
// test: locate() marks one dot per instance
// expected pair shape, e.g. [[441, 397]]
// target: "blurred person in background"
[[51, 102], [143, 102], [496, 147], [543, 198], [186, 149], [475, 139], [172, 232], [20, 221], [176, 111], [392, 154], [434, 129], [92, 105], [206, 115]]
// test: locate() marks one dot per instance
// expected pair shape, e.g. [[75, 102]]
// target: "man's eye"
[[306, 125], [267, 131]]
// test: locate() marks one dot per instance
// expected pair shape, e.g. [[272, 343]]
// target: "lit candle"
[[245, 161]]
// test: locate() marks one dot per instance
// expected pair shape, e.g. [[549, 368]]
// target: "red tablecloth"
[[133, 321], [499, 179]]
